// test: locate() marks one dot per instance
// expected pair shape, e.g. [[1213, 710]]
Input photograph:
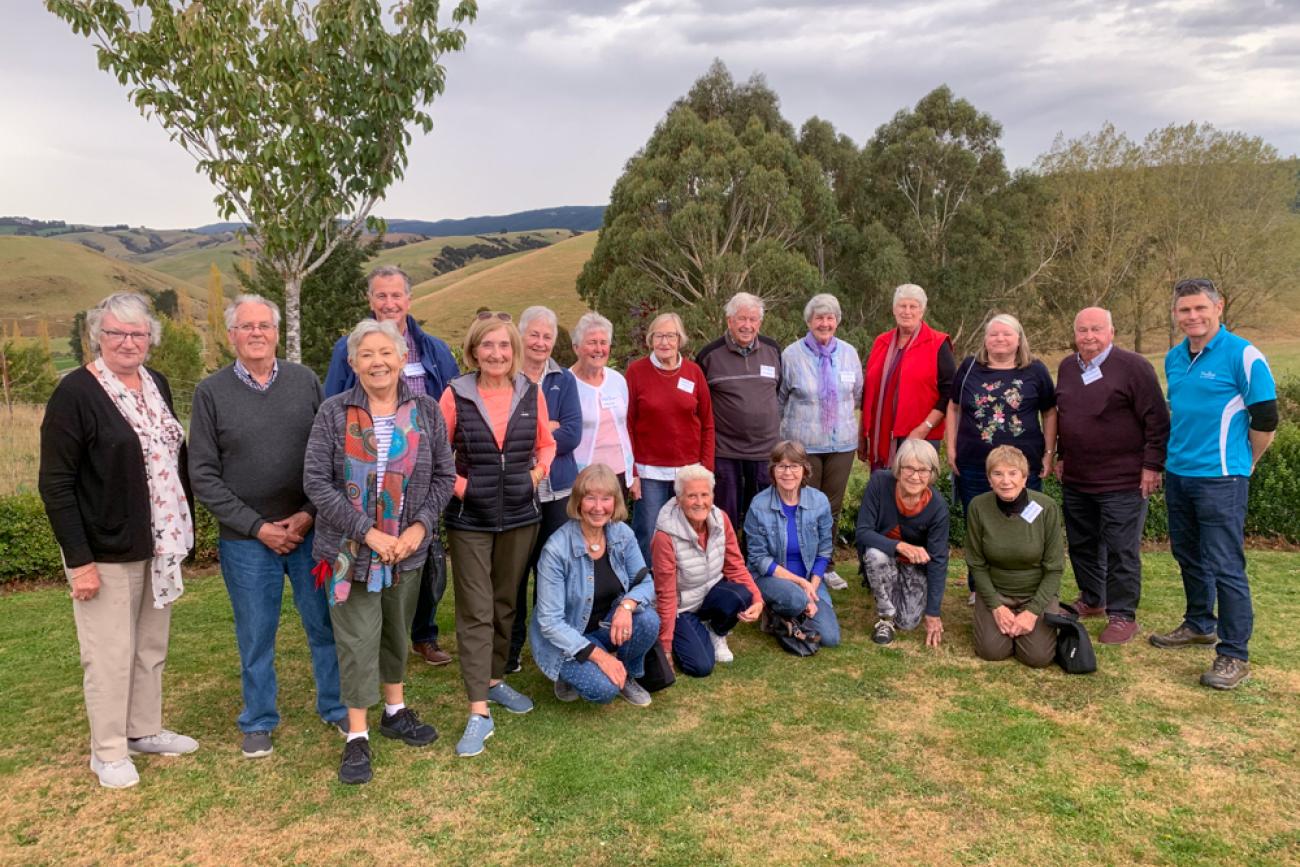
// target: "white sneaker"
[[165, 743], [971, 600], [721, 652], [120, 774], [834, 581]]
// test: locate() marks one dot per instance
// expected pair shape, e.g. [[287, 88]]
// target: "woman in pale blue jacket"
[[594, 619], [820, 392], [789, 545]]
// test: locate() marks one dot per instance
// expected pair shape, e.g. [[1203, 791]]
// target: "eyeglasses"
[[664, 337], [250, 327], [123, 336], [789, 468], [915, 471], [488, 314]]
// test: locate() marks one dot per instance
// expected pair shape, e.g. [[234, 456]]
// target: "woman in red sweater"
[[669, 420]]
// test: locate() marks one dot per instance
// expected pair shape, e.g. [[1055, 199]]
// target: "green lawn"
[[860, 755]]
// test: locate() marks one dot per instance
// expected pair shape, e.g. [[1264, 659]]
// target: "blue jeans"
[[587, 678], [1207, 533], [645, 512], [721, 611], [254, 576], [737, 483], [787, 599]]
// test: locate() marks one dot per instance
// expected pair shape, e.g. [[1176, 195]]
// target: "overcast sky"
[[551, 97]]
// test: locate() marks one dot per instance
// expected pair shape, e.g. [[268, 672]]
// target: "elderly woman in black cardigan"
[[902, 540]]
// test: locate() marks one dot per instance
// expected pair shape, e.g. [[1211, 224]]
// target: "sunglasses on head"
[[488, 314], [1195, 286]]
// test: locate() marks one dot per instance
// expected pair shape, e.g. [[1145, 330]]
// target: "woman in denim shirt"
[[821, 389], [594, 620], [788, 543]]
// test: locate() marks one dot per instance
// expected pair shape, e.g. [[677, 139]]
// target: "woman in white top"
[[603, 393]]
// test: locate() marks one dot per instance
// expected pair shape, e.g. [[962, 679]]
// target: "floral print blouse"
[[1001, 408]]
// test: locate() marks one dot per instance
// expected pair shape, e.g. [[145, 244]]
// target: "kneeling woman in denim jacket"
[[789, 542], [594, 620]]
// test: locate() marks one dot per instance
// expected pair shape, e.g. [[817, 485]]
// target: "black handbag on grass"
[[1074, 651], [793, 634]]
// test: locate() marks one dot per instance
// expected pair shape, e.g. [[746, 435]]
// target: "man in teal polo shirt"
[[1223, 416]]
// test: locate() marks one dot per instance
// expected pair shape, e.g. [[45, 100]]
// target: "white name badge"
[[847, 377], [686, 385], [413, 368], [1091, 375], [1030, 512], [767, 370], [608, 401]]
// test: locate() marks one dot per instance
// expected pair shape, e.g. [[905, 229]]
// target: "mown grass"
[[860, 755]]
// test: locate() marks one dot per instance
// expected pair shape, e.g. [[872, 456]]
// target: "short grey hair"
[[1197, 286], [823, 302], [912, 291], [913, 449], [740, 301], [388, 271], [232, 309], [127, 307], [373, 326], [691, 473], [591, 322], [537, 311]]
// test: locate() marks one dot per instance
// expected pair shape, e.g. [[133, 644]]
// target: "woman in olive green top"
[[1016, 553]]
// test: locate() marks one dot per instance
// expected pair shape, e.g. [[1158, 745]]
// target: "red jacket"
[[917, 377]]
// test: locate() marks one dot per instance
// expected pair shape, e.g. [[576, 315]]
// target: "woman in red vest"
[[908, 377]]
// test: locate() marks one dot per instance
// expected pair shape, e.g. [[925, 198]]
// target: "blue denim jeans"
[[787, 599], [737, 483], [254, 576], [587, 678], [1207, 530], [718, 613], [645, 512]]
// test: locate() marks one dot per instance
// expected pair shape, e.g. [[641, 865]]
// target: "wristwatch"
[[629, 608]]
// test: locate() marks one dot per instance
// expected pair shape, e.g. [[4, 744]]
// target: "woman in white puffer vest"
[[702, 586]]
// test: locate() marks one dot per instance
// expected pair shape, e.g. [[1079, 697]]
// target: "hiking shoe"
[[430, 652], [1083, 609], [257, 744], [834, 581], [355, 765], [509, 698], [164, 743], [565, 691], [635, 694], [1226, 673], [721, 652], [1119, 630], [477, 731], [406, 727], [120, 774], [884, 632], [1183, 636]]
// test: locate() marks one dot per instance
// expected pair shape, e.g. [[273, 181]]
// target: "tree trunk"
[[293, 318]]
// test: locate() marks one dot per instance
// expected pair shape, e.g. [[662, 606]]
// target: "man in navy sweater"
[[430, 366], [1111, 434]]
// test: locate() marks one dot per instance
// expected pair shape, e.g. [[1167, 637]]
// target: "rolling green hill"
[[421, 260]]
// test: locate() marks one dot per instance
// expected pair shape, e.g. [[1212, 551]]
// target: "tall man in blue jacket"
[[1223, 417], [429, 367]]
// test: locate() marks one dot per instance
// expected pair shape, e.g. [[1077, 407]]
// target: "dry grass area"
[[20, 447], [860, 755]]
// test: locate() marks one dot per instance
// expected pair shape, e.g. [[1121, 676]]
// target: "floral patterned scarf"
[[161, 437]]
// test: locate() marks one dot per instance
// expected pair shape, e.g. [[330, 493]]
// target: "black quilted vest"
[[500, 493]]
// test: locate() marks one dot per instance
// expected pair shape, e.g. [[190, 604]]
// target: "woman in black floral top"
[[1001, 396]]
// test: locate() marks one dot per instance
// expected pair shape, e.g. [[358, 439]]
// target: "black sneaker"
[[355, 766], [406, 727], [884, 632]]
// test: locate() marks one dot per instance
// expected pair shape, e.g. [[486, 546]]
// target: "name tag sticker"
[[847, 377], [413, 368], [767, 370], [1030, 512], [1091, 375], [686, 385], [608, 401]]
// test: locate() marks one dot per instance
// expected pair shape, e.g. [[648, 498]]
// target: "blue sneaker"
[[509, 698], [477, 730]]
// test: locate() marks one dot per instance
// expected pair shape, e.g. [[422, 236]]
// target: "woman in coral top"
[[669, 419]]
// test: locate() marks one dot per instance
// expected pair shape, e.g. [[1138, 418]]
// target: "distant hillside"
[[447, 303], [580, 218], [427, 259], [53, 279]]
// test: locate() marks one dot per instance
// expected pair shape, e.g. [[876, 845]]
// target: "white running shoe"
[[834, 581], [120, 774], [721, 652]]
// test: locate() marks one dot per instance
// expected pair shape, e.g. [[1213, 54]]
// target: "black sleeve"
[[947, 367], [1263, 416], [1046, 388], [959, 379], [585, 654]]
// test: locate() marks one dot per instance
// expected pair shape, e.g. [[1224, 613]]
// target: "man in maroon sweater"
[[1112, 430]]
